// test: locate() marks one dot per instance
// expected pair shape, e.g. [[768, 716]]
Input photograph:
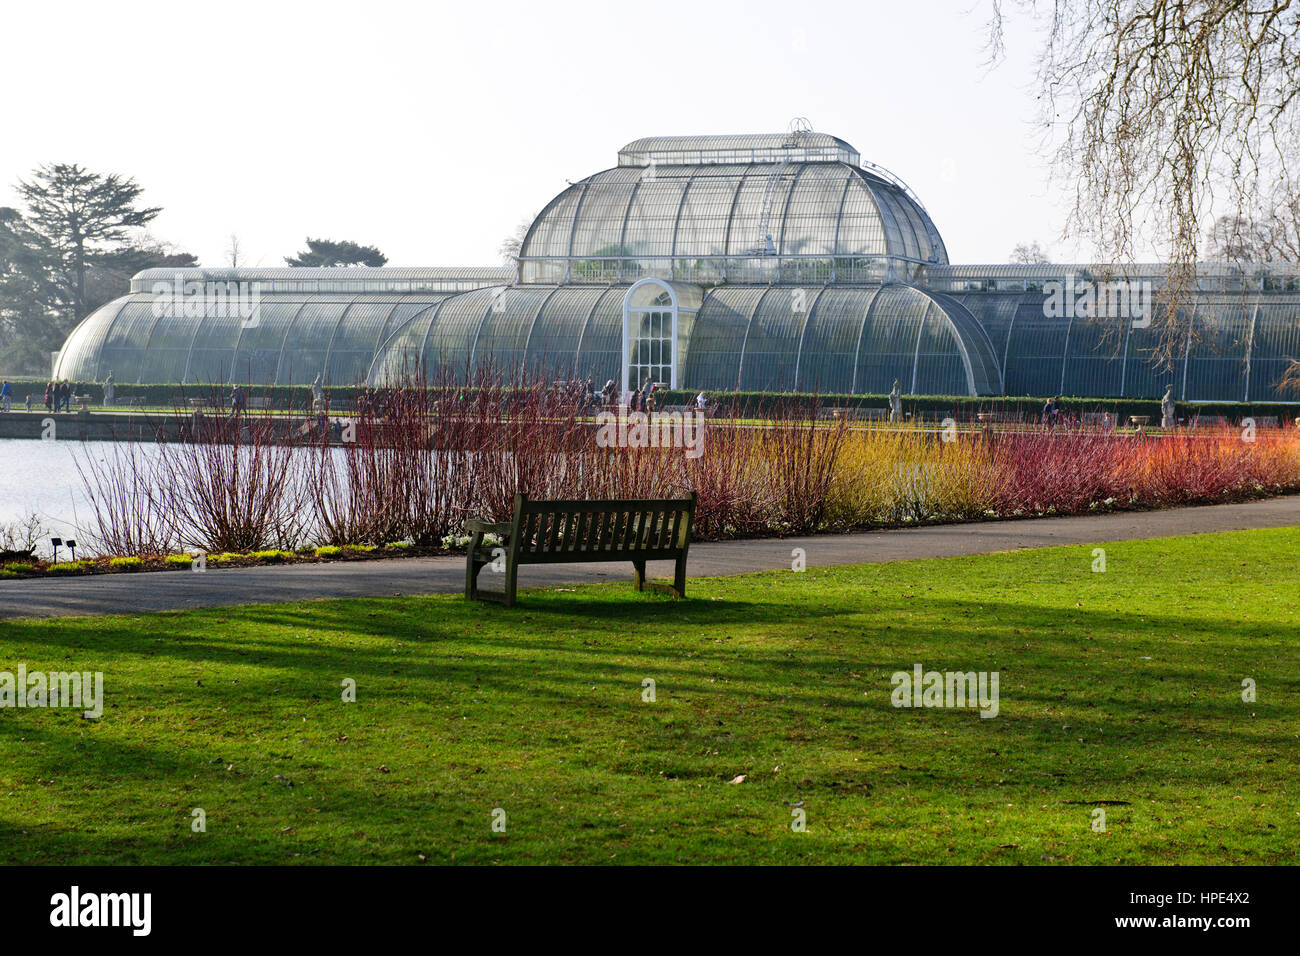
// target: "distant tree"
[[110, 275], [328, 253], [234, 251], [86, 218], [1030, 253], [1267, 233], [1290, 381], [513, 243], [31, 301], [1281, 218], [1161, 112], [1236, 239]]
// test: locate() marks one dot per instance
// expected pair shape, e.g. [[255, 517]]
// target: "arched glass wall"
[[294, 339], [829, 338], [254, 326], [832, 339], [1241, 345], [557, 332], [781, 338]]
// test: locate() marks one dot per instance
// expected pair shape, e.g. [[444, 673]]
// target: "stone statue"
[[317, 394], [1167, 419], [109, 388], [895, 404]]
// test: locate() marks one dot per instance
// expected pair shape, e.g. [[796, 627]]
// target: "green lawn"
[[1117, 686]]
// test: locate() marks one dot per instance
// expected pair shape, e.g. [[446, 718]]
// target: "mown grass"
[[1116, 686]]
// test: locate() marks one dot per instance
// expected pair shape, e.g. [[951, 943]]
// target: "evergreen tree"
[[327, 252], [86, 218]]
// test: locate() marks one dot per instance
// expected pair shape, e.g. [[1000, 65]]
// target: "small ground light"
[[56, 542], [73, 545]]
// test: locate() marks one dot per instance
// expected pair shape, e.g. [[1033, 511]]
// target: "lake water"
[[40, 477]]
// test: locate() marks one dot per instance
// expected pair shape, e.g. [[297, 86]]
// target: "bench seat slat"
[[592, 537]]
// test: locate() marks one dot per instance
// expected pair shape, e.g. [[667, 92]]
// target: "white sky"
[[431, 129]]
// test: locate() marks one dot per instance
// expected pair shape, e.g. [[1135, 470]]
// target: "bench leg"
[[472, 568], [512, 577], [679, 577], [639, 574]]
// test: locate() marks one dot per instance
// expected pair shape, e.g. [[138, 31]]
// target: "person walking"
[[49, 396], [6, 399], [1051, 412], [65, 396]]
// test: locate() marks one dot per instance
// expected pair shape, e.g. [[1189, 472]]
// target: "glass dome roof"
[[732, 208]]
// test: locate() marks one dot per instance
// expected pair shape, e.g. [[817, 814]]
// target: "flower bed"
[[434, 457]]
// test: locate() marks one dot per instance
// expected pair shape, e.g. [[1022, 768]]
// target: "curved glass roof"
[[717, 222], [798, 146], [294, 279], [1021, 277]]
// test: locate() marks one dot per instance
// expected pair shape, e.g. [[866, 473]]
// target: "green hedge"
[[927, 406], [1008, 407], [165, 395]]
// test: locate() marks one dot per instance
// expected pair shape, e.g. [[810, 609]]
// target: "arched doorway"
[[657, 320]]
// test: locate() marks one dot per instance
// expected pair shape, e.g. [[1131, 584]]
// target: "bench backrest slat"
[[654, 528], [671, 541], [564, 528], [593, 531], [565, 534]]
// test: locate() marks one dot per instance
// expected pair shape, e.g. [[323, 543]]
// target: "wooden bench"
[[571, 532], [263, 403]]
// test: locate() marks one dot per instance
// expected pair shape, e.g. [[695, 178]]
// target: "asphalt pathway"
[[171, 590]]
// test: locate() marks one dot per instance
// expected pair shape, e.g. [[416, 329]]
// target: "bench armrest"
[[478, 526]]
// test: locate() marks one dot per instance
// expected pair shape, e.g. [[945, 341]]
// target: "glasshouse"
[[773, 262]]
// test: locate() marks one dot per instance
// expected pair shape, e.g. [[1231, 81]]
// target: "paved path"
[[129, 593]]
